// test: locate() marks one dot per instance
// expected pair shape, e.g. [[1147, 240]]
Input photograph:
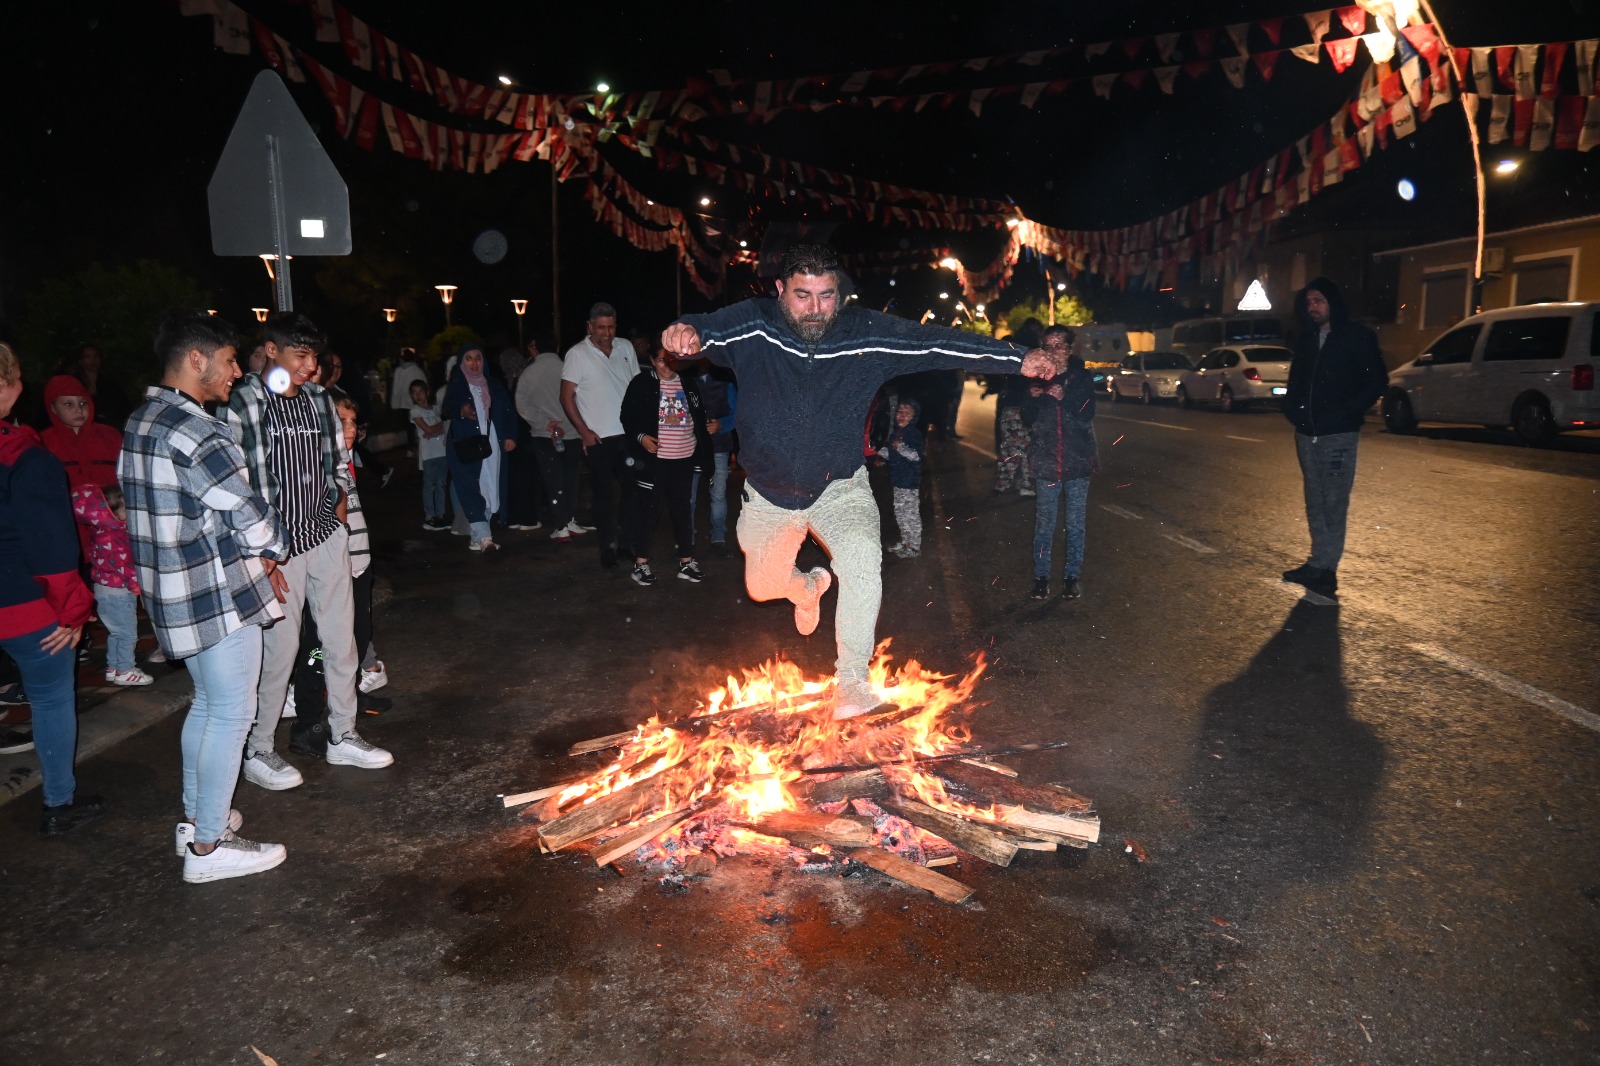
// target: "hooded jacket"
[[802, 405], [90, 453], [1332, 382], [39, 582], [641, 415], [1061, 444], [904, 447]]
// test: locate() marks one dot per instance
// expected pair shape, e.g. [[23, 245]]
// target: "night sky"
[[116, 112]]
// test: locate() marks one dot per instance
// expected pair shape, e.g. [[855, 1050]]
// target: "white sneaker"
[[562, 534], [288, 702], [157, 656], [129, 678], [373, 680], [267, 769], [484, 545], [185, 831], [577, 527], [351, 750], [853, 699], [232, 857]]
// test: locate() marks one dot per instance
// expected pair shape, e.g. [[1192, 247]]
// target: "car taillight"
[[1583, 377], [1252, 374]]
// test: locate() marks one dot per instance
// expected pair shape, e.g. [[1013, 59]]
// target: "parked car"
[[1237, 375], [1147, 376], [1531, 368]]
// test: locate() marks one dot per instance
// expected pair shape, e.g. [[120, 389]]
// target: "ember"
[[753, 770]]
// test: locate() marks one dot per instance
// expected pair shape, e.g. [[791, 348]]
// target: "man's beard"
[[809, 328]]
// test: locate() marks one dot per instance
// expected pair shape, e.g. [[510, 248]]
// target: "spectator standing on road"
[[668, 440], [1337, 374], [719, 395], [87, 449], [483, 427], [296, 459], [43, 602], [594, 379], [430, 431], [207, 549], [903, 452], [1062, 456], [808, 367], [554, 441]]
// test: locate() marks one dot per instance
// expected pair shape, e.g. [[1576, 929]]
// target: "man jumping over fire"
[[809, 366]]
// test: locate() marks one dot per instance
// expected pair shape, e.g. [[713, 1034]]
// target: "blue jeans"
[[719, 498], [118, 613], [435, 474], [225, 677], [48, 680], [1076, 491]]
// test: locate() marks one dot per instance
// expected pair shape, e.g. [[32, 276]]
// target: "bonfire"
[[761, 766]]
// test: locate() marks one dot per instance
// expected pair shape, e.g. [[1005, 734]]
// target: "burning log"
[[969, 781], [630, 842], [862, 784], [974, 839], [809, 829], [964, 756], [623, 805], [946, 888]]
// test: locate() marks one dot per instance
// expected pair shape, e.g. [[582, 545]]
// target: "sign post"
[[275, 192]]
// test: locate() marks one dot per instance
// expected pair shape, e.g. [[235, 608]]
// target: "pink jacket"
[[110, 554]]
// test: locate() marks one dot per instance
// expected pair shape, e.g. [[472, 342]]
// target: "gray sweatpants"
[[844, 519], [1328, 464], [320, 577]]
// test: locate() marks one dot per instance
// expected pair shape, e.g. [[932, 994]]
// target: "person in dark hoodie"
[[1336, 375], [903, 452], [809, 364], [1062, 456], [669, 441], [43, 602], [483, 427]]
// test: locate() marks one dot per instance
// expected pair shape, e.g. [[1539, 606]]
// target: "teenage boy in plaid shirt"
[[295, 455], [206, 548]]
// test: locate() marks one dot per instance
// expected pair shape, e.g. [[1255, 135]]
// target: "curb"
[[123, 715]]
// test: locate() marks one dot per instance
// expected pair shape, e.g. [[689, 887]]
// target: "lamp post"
[[447, 293], [261, 313], [389, 315], [521, 308]]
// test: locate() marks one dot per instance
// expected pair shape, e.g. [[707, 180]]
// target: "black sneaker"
[[1041, 589], [690, 571], [1070, 589], [1322, 582], [1300, 574], [643, 575], [719, 548], [312, 741], [13, 741], [61, 820], [371, 704]]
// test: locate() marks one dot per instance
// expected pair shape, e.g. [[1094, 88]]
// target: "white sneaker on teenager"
[[269, 770], [232, 857], [373, 680], [351, 750], [129, 678], [185, 831]]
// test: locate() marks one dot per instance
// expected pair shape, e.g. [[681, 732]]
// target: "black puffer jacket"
[[1061, 444], [1332, 384], [641, 416]]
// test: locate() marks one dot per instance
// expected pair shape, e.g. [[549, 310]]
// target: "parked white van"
[[1531, 368]]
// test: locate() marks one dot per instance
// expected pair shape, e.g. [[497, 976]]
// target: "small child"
[[431, 457], [904, 453], [116, 586]]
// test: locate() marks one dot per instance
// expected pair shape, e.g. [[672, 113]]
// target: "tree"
[[114, 308], [1070, 311]]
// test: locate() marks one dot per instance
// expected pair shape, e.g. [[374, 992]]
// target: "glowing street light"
[[705, 201], [390, 314], [521, 308], [261, 313], [1061, 286], [504, 80], [447, 293], [1506, 166], [602, 88], [950, 262], [944, 296]]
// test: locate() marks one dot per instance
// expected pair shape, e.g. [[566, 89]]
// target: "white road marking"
[[1570, 711], [1252, 440], [1120, 512], [980, 449], [1188, 542], [1142, 422]]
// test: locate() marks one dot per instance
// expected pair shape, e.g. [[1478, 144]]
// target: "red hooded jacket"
[[90, 453], [39, 582]]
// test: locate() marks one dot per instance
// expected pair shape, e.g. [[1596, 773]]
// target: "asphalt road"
[[1371, 826]]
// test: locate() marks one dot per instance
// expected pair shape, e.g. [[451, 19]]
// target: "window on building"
[[1527, 338], [1544, 280], [1444, 299]]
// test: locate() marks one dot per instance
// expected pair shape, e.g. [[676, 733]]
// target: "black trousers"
[[671, 480], [558, 479], [522, 484], [611, 481]]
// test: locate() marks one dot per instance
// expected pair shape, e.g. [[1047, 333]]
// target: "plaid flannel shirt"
[[247, 416], [197, 528]]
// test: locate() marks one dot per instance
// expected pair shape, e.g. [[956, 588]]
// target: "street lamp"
[[521, 308], [447, 293], [261, 313], [389, 315]]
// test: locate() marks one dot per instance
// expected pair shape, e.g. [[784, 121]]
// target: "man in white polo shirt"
[[593, 381]]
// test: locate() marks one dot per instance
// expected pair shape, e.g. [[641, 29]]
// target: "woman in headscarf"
[[483, 426]]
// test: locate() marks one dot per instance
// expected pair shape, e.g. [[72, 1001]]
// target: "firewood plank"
[[970, 837], [613, 850], [587, 819], [984, 764], [946, 888], [583, 747], [860, 784], [971, 781], [808, 828]]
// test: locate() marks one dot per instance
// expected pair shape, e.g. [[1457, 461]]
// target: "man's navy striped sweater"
[[803, 407]]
